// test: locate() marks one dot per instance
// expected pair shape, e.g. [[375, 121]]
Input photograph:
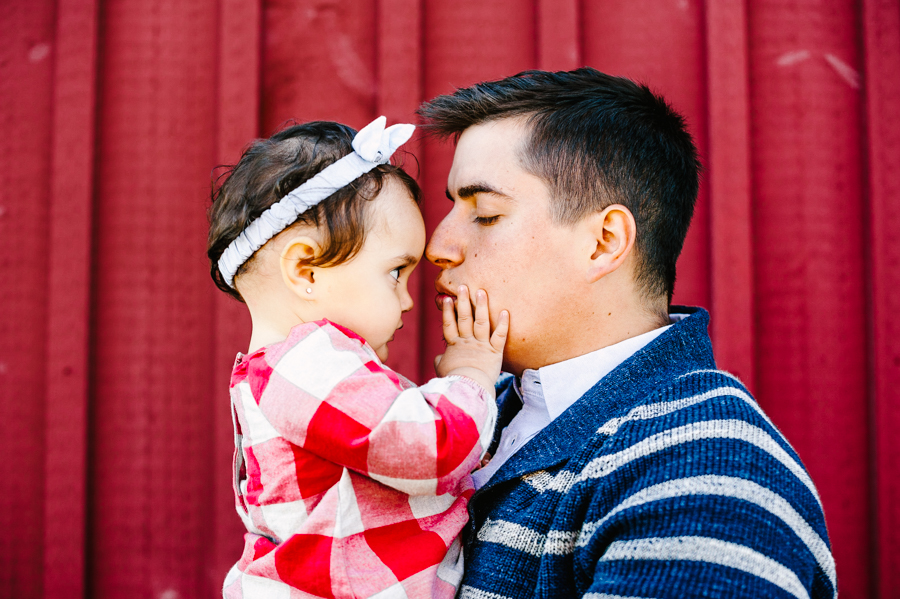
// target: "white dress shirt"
[[549, 391]]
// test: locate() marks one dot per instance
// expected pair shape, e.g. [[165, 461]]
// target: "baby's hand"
[[472, 350]]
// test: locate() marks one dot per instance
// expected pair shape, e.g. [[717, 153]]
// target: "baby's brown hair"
[[271, 168]]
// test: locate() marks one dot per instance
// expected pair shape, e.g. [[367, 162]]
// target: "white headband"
[[373, 145]]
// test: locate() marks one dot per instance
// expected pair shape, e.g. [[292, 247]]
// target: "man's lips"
[[439, 299], [442, 293]]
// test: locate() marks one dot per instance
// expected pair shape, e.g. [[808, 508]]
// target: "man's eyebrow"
[[469, 191]]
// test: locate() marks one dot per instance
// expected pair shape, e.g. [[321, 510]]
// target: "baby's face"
[[369, 293]]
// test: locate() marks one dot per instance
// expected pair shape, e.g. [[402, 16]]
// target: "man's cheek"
[[497, 302]]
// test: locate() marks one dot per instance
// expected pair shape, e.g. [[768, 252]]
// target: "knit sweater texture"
[[665, 479]]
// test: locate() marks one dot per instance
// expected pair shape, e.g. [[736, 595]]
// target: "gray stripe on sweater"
[[696, 431], [727, 486], [467, 592], [711, 551]]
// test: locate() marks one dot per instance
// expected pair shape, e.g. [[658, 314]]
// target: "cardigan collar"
[[549, 391], [684, 347]]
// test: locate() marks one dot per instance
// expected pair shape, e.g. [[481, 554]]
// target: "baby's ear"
[[296, 271]]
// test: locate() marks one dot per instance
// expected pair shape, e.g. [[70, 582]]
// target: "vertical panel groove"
[[731, 248], [399, 84], [239, 60], [559, 36], [68, 346], [28, 29], [238, 114], [881, 34]]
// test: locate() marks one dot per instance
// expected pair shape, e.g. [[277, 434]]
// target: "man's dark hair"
[[271, 168], [595, 140]]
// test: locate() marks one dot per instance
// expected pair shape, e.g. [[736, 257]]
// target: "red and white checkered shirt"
[[351, 481]]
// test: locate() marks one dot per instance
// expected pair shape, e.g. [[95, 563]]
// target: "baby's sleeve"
[[327, 393]]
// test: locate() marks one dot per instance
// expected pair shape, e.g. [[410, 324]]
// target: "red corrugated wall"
[[117, 348]]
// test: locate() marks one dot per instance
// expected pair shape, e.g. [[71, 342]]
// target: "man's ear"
[[296, 272], [613, 233]]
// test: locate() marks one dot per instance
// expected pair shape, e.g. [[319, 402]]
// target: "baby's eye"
[[487, 220], [396, 272]]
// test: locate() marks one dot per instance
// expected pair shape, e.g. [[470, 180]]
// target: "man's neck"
[[611, 327]]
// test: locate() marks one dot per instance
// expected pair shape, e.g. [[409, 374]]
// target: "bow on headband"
[[373, 145]]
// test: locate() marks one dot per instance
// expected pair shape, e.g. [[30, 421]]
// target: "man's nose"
[[445, 249]]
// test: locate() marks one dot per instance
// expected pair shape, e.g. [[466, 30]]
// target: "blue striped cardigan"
[[664, 480]]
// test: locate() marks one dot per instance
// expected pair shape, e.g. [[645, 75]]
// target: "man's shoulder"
[[700, 418], [682, 399], [701, 399], [703, 428]]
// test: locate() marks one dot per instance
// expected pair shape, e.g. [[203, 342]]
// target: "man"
[[624, 464]]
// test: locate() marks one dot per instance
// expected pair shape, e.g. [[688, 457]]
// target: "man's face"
[[499, 237]]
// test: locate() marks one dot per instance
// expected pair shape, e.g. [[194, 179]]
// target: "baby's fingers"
[[449, 317], [464, 312], [498, 339], [482, 317]]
